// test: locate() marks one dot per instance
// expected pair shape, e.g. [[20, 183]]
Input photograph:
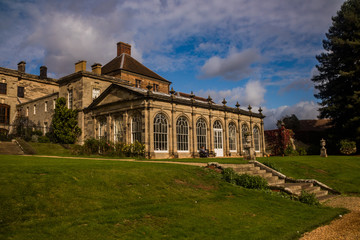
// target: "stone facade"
[[19, 87], [124, 101]]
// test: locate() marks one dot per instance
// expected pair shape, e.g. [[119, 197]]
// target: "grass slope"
[[339, 172], [44, 198]]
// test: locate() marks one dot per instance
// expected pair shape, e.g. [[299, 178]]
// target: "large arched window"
[[217, 135], [201, 133], [136, 129], [232, 137], [182, 134], [244, 129], [119, 129], [256, 135], [160, 133]]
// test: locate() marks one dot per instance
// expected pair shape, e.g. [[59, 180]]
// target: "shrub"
[[308, 198], [289, 151], [347, 147], [229, 175], [91, 146], [43, 139], [301, 151], [252, 182], [244, 180]]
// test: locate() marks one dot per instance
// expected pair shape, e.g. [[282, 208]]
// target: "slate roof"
[[314, 125], [128, 63]]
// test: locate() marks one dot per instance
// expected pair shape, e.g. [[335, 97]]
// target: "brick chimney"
[[43, 72], [96, 68], [80, 66], [21, 66], [123, 48]]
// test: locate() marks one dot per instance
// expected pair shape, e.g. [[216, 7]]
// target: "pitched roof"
[[128, 63], [314, 125]]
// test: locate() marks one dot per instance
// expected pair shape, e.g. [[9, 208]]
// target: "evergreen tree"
[[338, 81], [64, 125]]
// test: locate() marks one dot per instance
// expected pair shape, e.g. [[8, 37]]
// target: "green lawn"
[[43, 198], [339, 172]]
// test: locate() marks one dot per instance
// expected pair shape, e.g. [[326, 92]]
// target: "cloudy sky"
[[252, 51]]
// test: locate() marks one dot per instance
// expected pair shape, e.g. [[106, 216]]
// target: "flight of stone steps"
[[12, 148], [278, 181]]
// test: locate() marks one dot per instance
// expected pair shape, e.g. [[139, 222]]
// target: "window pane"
[[182, 133], [160, 133]]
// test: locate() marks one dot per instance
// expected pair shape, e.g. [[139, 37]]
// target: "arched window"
[[182, 134], [217, 135], [201, 133], [256, 135], [232, 137], [119, 129], [160, 133], [244, 129], [136, 129], [102, 128]]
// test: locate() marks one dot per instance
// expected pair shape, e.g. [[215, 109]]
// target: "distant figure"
[[203, 152]]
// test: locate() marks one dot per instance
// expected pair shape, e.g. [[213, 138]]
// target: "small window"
[[21, 92], [3, 88], [34, 109], [95, 93], [46, 106], [155, 87], [54, 103], [137, 83], [27, 111]]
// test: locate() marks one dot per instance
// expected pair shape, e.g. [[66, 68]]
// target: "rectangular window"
[[46, 106], [137, 83], [45, 127], [3, 88], [34, 109], [54, 102], [155, 87], [27, 111], [70, 99], [21, 92], [4, 113], [95, 93]]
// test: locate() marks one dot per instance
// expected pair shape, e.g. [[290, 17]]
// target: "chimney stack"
[[123, 48], [21, 66], [43, 72], [96, 68], [80, 66]]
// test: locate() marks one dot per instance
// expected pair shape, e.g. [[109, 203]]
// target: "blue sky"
[[252, 51]]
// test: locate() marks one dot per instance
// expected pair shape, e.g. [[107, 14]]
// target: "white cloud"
[[302, 110], [253, 94], [236, 66]]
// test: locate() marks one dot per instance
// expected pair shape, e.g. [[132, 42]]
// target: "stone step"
[[10, 148], [325, 197], [276, 183]]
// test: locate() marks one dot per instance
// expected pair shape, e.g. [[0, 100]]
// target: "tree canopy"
[[64, 125], [338, 80]]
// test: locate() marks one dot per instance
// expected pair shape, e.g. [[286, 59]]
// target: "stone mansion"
[[125, 101]]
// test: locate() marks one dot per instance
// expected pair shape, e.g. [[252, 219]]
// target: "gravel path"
[[346, 227]]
